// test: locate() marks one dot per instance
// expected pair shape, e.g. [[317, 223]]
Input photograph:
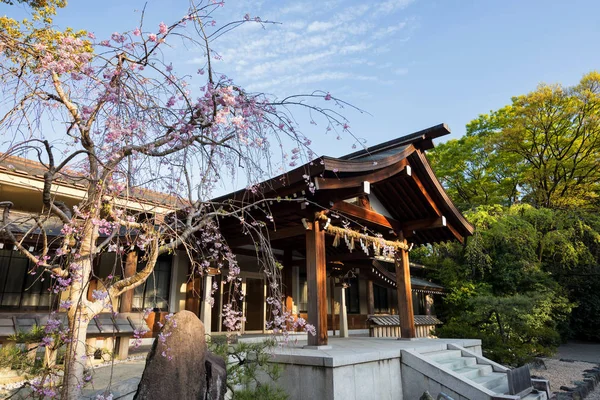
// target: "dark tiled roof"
[[420, 138], [16, 165], [104, 324], [420, 282]]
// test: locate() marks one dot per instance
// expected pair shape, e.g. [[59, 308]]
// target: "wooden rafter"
[[426, 194], [367, 215]]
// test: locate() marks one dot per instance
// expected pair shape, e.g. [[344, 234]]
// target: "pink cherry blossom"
[[162, 28]]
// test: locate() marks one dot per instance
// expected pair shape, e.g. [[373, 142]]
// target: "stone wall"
[[370, 380]]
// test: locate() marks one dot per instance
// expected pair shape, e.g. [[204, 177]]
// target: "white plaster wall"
[[378, 207]]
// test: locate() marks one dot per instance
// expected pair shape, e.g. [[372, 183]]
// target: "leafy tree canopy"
[[528, 277], [541, 149]]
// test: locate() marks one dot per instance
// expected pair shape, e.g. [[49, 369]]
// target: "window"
[[352, 298], [154, 293], [419, 303], [18, 287], [303, 300], [380, 297]]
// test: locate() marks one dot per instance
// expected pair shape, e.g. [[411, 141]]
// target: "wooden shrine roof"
[[406, 199]]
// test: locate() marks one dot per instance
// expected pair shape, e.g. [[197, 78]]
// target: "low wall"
[[379, 379], [372, 370]]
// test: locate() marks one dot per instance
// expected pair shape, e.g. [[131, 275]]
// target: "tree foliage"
[[526, 279], [528, 177], [541, 149], [247, 366], [128, 125]]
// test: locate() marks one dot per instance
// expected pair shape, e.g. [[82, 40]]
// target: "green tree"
[[474, 173], [499, 288], [555, 131], [542, 149]]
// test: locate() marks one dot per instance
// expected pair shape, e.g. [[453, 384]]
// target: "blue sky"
[[410, 63]]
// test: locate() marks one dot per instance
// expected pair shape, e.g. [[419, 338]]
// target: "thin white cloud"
[[400, 71], [319, 26], [315, 44], [388, 30], [390, 6]]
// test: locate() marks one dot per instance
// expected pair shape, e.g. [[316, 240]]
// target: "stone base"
[[412, 339], [322, 347], [351, 369]]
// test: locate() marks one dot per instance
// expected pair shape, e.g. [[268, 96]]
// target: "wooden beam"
[[317, 285], [423, 224], [405, 304], [367, 215], [273, 235], [354, 256], [358, 181]]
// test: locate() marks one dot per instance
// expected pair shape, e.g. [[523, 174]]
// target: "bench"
[[389, 325]]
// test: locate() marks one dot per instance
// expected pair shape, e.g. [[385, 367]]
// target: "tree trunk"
[[76, 355], [79, 316]]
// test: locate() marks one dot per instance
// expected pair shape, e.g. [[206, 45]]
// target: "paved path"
[[580, 351], [121, 380]]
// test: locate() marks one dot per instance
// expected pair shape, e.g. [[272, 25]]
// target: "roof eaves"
[[424, 135]]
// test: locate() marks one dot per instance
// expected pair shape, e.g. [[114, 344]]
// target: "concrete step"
[[443, 355], [457, 363], [474, 371], [491, 380], [536, 396], [501, 388]]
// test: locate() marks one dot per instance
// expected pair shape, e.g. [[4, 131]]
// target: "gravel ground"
[[561, 373]]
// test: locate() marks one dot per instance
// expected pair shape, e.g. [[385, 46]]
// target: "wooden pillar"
[[370, 298], [343, 313], [131, 261], [405, 304], [332, 303], [192, 294], [287, 280], [122, 343], [317, 287]]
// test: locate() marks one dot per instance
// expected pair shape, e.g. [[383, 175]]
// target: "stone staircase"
[[479, 372]]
